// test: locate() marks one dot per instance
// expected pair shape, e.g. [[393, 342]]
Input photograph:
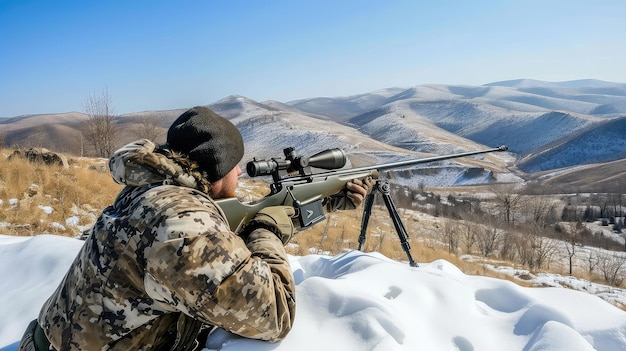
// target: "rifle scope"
[[327, 159]]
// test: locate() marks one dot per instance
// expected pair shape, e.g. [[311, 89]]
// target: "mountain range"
[[555, 131]]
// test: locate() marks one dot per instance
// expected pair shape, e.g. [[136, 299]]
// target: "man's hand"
[[351, 197], [278, 217], [358, 190]]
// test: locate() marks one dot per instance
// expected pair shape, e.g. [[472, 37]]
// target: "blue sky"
[[156, 55]]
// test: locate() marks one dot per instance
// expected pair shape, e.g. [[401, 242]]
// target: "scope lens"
[[260, 168]]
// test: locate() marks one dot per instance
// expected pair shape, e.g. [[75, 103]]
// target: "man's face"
[[226, 186]]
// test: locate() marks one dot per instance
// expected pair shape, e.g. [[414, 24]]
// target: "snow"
[[46, 209], [362, 301]]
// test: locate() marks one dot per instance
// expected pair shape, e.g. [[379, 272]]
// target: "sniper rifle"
[[295, 185]]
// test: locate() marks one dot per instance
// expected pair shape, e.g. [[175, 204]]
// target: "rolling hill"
[[547, 125]]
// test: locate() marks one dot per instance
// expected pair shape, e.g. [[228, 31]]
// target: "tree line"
[[536, 231]]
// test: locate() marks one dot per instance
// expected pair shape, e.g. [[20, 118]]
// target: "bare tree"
[[488, 240], [545, 248], [147, 127], [469, 235], [592, 261], [100, 129], [524, 250], [507, 247], [618, 208], [450, 235], [571, 239], [508, 201], [542, 210], [612, 267], [534, 249]]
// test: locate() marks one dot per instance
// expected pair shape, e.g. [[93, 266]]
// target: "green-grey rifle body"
[[294, 185]]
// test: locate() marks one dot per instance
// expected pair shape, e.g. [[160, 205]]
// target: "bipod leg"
[[397, 221], [367, 212]]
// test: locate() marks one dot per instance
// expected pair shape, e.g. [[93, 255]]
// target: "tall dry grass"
[[40, 198], [341, 230]]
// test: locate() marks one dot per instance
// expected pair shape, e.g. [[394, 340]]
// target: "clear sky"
[[155, 55]]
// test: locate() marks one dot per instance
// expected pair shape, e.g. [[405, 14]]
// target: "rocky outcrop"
[[42, 155]]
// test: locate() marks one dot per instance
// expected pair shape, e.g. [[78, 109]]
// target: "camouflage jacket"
[[161, 263]]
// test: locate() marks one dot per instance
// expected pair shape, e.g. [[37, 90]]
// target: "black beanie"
[[207, 138]]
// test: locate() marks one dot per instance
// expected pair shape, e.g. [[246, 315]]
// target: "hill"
[[592, 178], [547, 126]]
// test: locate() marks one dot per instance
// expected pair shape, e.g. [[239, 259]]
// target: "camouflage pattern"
[[161, 263]]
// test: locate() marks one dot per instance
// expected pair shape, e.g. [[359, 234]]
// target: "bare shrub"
[[507, 247], [449, 235], [508, 201], [540, 210], [611, 266], [469, 234], [592, 261], [488, 240], [534, 249], [147, 127]]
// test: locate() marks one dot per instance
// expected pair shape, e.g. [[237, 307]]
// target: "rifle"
[[295, 185]]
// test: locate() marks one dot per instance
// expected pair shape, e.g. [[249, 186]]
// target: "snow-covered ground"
[[364, 301]]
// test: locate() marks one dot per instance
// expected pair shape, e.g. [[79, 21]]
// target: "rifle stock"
[[305, 192]]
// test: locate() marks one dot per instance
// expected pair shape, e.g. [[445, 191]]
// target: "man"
[[161, 267]]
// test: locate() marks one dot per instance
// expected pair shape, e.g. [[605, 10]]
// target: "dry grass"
[[341, 230], [75, 196]]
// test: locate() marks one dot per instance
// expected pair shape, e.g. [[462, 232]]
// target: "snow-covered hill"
[[547, 125], [267, 130], [531, 117]]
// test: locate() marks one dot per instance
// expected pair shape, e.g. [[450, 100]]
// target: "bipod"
[[384, 188]]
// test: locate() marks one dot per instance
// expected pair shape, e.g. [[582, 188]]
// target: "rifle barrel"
[[438, 158], [386, 166]]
